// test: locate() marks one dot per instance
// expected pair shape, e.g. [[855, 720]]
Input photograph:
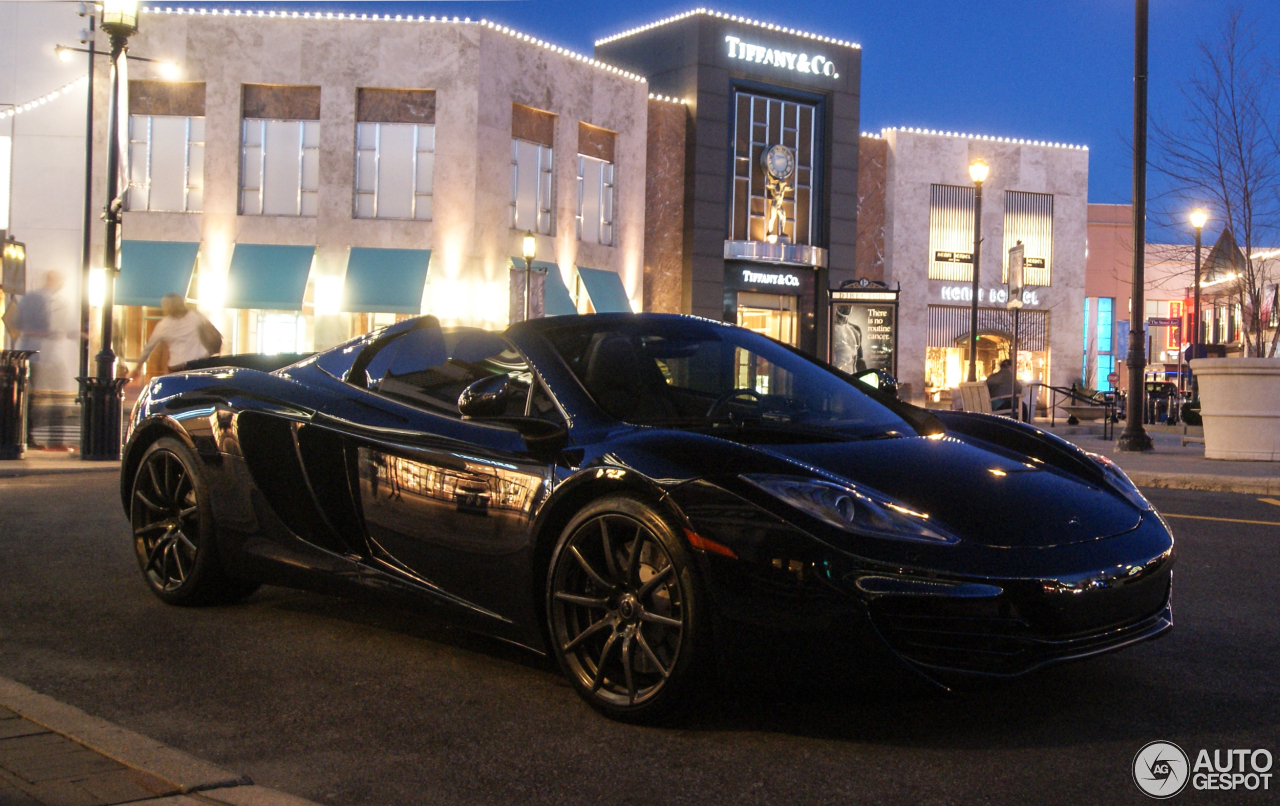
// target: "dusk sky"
[[1058, 71]]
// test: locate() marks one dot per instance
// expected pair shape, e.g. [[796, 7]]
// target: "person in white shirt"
[[180, 330]]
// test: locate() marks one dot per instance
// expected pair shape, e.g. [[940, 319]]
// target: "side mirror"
[[486, 397], [879, 380]]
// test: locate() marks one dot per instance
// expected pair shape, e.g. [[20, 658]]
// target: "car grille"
[[1022, 629]]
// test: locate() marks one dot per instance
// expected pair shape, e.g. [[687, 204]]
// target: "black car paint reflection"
[[993, 547]]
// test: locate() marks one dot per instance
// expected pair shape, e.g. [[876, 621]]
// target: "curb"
[[79, 466], [1207, 482], [187, 773]]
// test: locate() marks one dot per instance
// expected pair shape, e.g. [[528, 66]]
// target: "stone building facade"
[[410, 157], [917, 182], [748, 87]]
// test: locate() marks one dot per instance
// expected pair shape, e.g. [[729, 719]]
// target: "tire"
[[173, 531], [626, 614]]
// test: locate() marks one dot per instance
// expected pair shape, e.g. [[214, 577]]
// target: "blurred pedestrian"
[[187, 333]]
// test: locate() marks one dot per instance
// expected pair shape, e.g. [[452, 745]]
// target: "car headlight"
[[1121, 483], [851, 509]]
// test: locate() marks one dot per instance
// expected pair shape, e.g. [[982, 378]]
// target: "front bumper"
[[951, 613]]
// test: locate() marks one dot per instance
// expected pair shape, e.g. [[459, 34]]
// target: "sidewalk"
[[1173, 466], [43, 463], [52, 754]]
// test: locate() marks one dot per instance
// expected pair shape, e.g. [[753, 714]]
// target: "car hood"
[[977, 491]]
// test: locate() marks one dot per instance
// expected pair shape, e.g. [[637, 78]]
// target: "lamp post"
[[1135, 437], [100, 423], [528, 248], [1198, 219], [978, 172], [85, 247]]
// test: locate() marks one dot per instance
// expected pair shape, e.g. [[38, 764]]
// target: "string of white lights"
[[656, 97], [768, 26], [988, 137], [420, 18], [44, 99]]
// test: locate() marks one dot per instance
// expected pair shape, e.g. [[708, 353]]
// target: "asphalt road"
[[348, 702]]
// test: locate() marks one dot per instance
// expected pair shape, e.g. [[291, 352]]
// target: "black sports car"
[[643, 496]]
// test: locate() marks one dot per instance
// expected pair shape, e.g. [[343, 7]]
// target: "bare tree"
[[1225, 152]]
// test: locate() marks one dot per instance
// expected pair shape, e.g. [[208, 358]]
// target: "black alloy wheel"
[[623, 610], [172, 532]]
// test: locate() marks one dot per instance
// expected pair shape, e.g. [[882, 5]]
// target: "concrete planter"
[[1240, 404]]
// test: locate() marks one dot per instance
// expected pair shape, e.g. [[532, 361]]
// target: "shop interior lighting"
[[44, 99], [768, 26], [987, 137], [421, 18]]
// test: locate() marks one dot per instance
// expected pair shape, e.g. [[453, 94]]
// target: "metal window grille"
[[531, 186], [279, 167], [1028, 217], [395, 170], [762, 122], [951, 232], [948, 325], [595, 200], [166, 154]]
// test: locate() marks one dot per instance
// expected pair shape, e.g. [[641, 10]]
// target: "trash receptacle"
[[15, 372], [100, 418]]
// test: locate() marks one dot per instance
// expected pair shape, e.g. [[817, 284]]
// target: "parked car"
[[633, 493]]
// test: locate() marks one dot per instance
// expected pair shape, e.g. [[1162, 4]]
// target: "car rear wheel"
[[173, 529], [625, 612]]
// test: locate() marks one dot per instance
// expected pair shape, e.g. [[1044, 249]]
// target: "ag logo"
[[1160, 769]]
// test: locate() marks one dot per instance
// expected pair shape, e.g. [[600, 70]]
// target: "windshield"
[[676, 372]]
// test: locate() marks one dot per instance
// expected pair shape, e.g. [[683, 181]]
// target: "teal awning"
[[151, 269], [556, 300], [268, 276], [605, 289], [385, 280]]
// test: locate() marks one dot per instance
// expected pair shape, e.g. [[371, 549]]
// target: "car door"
[[445, 501]]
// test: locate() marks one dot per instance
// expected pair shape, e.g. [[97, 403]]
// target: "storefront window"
[[947, 354], [395, 166], [280, 168], [532, 177], [595, 200], [280, 150], [760, 123], [166, 163], [395, 153], [951, 233], [1028, 217], [596, 150], [772, 315]]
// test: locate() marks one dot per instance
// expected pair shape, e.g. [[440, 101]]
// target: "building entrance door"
[[772, 315]]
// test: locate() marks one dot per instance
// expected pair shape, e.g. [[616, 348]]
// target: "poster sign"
[[864, 330], [1015, 275]]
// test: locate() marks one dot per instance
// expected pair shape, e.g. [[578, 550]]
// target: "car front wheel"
[[173, 529], [625, 611]]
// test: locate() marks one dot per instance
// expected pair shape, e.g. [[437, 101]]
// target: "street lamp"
[[1135, 437], [100, 424], [1198, 219], [978, 172], [528, 248]]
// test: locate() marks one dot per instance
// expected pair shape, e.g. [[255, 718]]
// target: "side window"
[[429, 367], [541, 406]]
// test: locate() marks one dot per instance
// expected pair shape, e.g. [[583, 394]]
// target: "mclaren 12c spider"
[[638, 494]]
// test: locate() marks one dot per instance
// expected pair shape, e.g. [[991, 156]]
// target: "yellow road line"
[[1222, 520], [1271, 501]]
